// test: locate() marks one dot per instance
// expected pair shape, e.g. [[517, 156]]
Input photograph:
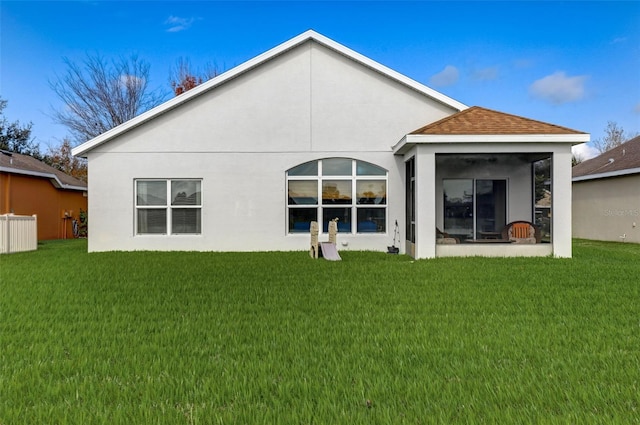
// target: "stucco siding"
[[607, 209], [244, 203], [240, 139], [309, 99]]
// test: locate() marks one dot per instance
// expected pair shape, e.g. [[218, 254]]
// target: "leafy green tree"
[[15, 137]]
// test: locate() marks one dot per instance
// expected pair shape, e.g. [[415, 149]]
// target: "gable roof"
[[308, 36], [16, 163], [478, 120], [621, 160]]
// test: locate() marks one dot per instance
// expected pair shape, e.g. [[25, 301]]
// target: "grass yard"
[[279, 338]]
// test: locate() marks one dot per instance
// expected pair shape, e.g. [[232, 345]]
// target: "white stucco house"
[[312, 131]]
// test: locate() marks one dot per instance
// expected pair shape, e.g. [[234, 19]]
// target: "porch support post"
[[561, 202], [425, 203]]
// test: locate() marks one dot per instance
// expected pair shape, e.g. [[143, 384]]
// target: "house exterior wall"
[[240, 139], [607, 209], [28, 195]]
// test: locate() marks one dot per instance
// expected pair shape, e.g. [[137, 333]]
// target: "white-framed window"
[[168, 206], [353, 191]]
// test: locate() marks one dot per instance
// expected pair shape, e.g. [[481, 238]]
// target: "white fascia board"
[[82, 149], [400, 147], [417, 139], [54, 179], [497, 138], [606, 175]]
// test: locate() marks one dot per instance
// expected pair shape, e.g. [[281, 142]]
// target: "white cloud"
[[486, 74], [583, 151], [448, 76], [559, 88], [619, 40], [637, 108], [177, 23]]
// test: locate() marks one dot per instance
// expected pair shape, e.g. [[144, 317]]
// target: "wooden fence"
[[18, 233]]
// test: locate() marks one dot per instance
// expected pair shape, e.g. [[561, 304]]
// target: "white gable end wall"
[[240, 138]]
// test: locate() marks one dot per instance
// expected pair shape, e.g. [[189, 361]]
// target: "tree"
[[15, 137], [183, 79], [614, 136], [99, 95], [576, 159], [61, 158]]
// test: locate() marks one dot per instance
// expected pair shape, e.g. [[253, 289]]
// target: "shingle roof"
[[478, 120], [623, 157], [25, 164]]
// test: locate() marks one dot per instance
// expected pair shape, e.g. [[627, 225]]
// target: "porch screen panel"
[[458, 207], [491, 206]]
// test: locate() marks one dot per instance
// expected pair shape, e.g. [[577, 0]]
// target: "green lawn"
[[279, 338]]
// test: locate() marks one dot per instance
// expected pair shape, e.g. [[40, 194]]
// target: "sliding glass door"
[[474, 208]]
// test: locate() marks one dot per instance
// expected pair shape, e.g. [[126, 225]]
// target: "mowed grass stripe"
[[186, 337]]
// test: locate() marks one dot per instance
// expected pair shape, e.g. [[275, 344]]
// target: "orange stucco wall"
[[28, 195]]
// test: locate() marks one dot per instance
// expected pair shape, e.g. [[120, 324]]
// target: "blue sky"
[[571, 63]]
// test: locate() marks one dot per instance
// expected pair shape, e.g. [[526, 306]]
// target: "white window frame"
[[168, 207], [354, 206]]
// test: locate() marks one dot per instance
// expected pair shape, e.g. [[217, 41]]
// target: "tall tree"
[[99, 94], [614, 135], [15, 137], [61, 158], [183, 78]]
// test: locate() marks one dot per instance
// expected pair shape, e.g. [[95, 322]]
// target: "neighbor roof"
[[255, 62], [478, 120], [16, 163], [621, 160]]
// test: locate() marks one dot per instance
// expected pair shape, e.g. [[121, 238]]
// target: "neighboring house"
[[606, 195], [313, 131], [29, 186]]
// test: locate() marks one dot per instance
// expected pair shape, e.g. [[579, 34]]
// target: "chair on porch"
[[522, 232], [443, 238]]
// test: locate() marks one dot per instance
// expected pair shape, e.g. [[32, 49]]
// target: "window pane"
[[185, 192], [342, 214], [336, 167], [151, 192], [371, 192], [336, 192], [185, 220], [303, 192], [300, 219], [152, 221], [367, 169], [372, 220], [306, 169]]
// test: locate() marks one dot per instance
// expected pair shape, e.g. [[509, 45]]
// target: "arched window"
[[353, 191]]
